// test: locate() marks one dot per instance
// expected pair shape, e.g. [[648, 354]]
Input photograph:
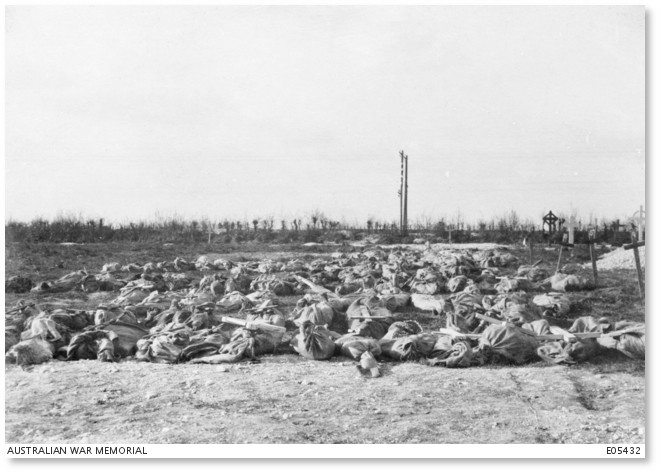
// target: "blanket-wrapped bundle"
[[509, 285], [66, 283], [244, 343], [505, 344], [238, 281], [371, 328], [46, 329], [132, 295], [313, 342], [233, 302], [111, 268], [157, 321], [591, 324], [101, 282], [533, 273], [457, 283], [19, 315], [163, 347], [365, 350], [561, 282], [557, 303], [348, 288], [204, 343], [500, 302], [176, 281], [631, 343], [30, 352], [182, 265], [74, 320], [519, 314], [272, 283], [91, 345], [323, 313], [368, 319], [403, 329], [539, 327], [18, 285], [561, 351], [436, 304], [104, 315], [318, 314], [450, 353], [427, 282], [197, 320], [156, 300], [12, 336], [131, 268], [411, 348], [128, 335], [464, 320], [394, 301], [353, 346]]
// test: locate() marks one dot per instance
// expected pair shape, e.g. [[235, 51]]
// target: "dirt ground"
[[287, 399]]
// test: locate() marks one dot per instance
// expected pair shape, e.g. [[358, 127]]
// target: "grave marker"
[[571, 230], [634, 245], [564, 244], [639, 219], [592, 253]]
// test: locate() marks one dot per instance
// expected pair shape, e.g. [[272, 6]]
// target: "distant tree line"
[[315, 227]]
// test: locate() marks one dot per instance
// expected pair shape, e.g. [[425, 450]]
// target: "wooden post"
[[401, 196], [564, 243], [531, 248], [405, 199], [561, 248], [634, 245], [592, 253]]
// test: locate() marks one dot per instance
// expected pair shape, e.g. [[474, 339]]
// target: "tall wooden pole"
[[405, 198], [401, 196]]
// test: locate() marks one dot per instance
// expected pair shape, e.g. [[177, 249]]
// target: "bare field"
[[285, 398]]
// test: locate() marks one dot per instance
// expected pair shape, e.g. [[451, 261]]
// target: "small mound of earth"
[[620, 259]]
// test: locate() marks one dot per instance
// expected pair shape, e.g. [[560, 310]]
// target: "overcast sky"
[[126, 112]]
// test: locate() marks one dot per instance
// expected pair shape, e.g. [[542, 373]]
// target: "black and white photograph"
[[287, 230]]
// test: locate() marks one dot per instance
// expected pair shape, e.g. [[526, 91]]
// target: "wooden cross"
[[634, 245], [639, 219]]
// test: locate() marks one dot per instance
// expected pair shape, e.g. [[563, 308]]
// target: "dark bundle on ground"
[[18, 285], [403, 329], [209, 345], [73, 320], [30, 352], [505, 344], [127, 336], [411, 348], [450, 353], [164, 347], [93, 344], [314, 342], [631, 343], [569, 352]]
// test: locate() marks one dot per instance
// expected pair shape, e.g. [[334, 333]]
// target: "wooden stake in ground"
[[592, 253], [564, 244], [531, 248], [640, 277]]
